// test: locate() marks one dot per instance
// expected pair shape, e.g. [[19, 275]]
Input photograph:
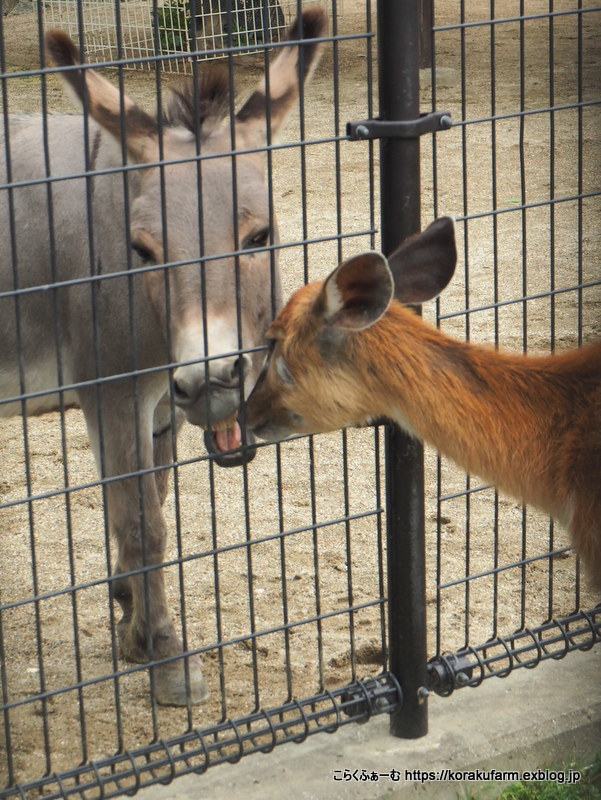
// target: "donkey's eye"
[[257, 239], [144, 253], [283, 372]]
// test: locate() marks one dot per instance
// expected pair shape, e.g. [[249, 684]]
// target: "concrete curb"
[[530, 720]]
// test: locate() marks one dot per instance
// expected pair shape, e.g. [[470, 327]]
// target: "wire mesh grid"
[[522, 81], [274, 572], [171, 30], [261, 567]]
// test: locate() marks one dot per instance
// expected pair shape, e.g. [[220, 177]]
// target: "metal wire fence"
[[254, 555], [523, 81], [176, 31], [278, 573]]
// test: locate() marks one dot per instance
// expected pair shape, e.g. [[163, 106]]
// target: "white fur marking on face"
[[221, 334], [283, 371], [189, 343]]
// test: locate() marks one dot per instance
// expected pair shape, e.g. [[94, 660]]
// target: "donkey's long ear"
[[424, 264], [104, 100], [356, 293], [294, 65]]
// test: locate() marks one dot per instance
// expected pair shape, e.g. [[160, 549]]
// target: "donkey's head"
[[207, 218], [330, 343]]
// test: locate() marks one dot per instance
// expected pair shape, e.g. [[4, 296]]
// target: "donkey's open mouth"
[[216, 410], [228, 445]]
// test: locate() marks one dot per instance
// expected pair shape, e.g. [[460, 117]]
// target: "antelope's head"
[[328, 346]]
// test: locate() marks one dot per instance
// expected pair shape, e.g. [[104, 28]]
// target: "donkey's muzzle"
[[209, 393], [234, 458]]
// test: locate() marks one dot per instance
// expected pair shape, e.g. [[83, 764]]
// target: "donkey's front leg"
[[146, 632]]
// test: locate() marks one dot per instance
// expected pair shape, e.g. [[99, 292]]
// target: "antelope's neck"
[[497, 415]]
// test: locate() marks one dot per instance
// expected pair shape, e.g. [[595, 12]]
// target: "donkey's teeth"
[[228, 438], [224, 424]]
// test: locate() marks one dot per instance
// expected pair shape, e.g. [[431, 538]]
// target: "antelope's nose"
[[195, 381]]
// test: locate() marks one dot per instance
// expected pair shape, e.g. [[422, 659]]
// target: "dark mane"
[[195, 102]]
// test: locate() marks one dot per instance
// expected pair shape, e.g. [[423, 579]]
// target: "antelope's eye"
[[257, 239], [282, 370], [143, 252]]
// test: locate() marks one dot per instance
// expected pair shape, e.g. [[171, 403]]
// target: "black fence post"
[[398, 42], [426, 23]]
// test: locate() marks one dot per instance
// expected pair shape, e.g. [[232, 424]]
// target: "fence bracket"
[[431, 122], [373, 695], [449, 672]]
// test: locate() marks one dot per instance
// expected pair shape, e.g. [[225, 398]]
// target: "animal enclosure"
[[276, 571], [174, 31]]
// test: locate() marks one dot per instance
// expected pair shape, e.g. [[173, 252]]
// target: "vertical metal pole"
[[426, 23], [398, 42]]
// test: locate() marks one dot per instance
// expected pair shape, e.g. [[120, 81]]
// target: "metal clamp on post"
[[372, 696], [406, 129], [449, 672]]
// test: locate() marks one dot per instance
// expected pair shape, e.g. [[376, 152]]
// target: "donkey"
[[119, 293], [346, 351]]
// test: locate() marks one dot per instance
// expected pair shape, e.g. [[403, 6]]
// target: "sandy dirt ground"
[[224, 590]]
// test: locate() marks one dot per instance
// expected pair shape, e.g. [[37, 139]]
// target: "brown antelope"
[[81, 299], [346, 350]]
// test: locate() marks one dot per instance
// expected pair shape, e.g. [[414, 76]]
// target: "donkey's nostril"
[[177, 388], [240, 368], [190, 384], [183, 390]]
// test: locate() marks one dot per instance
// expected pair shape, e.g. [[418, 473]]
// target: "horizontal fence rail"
[[337, 577], [196, 751], [524, 649]]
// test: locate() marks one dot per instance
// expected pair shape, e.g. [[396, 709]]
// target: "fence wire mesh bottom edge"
[[195, 751], [498, 657]]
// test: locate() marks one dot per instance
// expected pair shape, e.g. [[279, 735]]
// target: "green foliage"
[[173, 21], [242, 27], [587, 788], [245, 22]]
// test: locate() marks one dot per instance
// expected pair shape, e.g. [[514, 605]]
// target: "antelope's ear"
[[424, 264], [104, 101], [357, 293], [272, 100]]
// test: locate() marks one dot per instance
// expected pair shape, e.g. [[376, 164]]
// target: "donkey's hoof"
[[171, 687]]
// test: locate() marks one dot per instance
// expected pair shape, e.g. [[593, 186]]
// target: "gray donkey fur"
[[74, 334]]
